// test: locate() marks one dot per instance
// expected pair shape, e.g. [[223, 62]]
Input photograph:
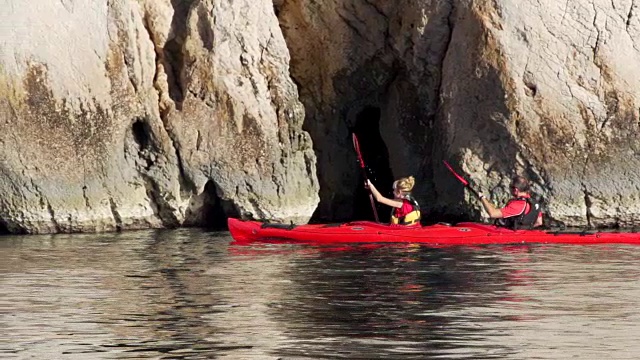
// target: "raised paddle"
[[462, 180], [356, 145]]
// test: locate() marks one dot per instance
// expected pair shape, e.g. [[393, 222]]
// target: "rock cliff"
[[135, 114], [546, 89]]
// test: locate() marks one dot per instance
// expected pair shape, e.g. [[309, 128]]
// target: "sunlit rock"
[[546, 89], [117, 114]]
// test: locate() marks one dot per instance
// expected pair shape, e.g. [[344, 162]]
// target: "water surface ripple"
[[191, 294]]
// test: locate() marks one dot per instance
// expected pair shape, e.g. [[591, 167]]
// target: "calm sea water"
[[190, 294]]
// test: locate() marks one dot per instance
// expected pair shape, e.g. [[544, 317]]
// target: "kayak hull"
[[436, 235]]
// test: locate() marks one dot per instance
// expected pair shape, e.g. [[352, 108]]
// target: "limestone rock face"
[[83, 147], [545, 89], [235, 116], [136, 114], [150, 113], [351, 56], [551, 91]]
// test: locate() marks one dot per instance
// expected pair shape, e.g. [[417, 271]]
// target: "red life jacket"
[[527, 218], [411, 218]]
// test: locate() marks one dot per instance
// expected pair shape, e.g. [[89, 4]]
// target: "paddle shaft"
[[461, 179], [356, 146]]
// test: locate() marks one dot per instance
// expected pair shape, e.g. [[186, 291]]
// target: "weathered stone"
[[236, 118], [116, 114], [70, 158], [167, 112], [545, 91], [349, 56], [549, 90]]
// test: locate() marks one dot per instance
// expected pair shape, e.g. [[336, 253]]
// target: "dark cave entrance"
[[212, 212], [141, 133], [4, 229], [376, 158]]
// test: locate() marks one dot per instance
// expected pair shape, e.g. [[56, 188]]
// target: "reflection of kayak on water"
[[439, 234]]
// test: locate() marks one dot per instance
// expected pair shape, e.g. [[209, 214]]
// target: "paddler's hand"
[[369, 185], [373, 189], [476, 193]]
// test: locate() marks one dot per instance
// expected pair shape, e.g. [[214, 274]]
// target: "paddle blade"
[[462, 180], [356, 146]]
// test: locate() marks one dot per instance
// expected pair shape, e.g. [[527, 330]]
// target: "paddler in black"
[[406, 210], [520, 212]]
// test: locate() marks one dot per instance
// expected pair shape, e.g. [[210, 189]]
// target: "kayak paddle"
[[462, 180], [356, 145]]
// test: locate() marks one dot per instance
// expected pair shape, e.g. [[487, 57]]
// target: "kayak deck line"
[[466, 233]]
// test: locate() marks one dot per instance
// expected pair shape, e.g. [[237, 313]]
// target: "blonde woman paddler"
[[406, 210]]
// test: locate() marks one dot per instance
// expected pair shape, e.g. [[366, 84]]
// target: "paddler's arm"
[[381, 199], [489, 207]]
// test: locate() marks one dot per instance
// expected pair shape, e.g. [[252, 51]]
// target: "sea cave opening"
[[209, 210], [4, 229], [376, 158]]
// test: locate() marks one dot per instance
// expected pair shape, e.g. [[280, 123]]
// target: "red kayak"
[[436, 235]]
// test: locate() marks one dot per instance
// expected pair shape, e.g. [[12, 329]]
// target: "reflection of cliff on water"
[[374, 296], [189, 294], [144, 293]]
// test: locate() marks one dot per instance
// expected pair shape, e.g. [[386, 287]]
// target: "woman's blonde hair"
[[404, 184]]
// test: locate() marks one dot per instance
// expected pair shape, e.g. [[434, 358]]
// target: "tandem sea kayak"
[[437, 235]]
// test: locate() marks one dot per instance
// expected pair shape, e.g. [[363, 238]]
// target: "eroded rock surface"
[[552, 91], [546, 89], [351, 56], [127, 114], [135, 114]]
